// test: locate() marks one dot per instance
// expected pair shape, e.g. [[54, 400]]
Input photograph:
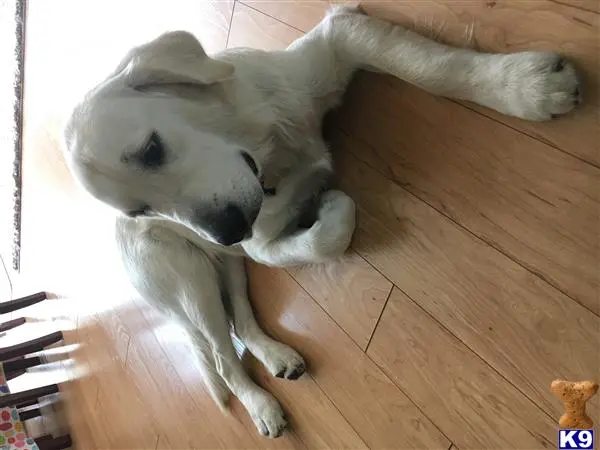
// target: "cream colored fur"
[[270, 105]]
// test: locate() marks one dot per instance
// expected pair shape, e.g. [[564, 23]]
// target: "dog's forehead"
[[103, 129]]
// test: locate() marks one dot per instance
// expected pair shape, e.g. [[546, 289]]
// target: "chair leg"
[[5, 326], [58, 443], [21, 364], [25, 348], [23, 302], [43, 438], [13, 375], [27, 404], [25, 396], [29, 414]]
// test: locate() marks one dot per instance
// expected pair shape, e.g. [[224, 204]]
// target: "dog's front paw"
[[283, 361], [272, 219], [333, 230], [267, 415], [539, 86]]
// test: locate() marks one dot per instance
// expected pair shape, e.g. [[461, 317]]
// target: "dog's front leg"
[[295, 195], [180, 280], [206, 316], [326, 239], [281, 360]]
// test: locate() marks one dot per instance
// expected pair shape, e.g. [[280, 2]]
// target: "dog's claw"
[[263, 429], [278, 432], [296, 373], [559, 65]]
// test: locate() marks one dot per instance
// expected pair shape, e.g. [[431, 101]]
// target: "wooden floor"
[[473, 278]]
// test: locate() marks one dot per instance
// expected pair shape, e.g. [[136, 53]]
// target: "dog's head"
[[135, 144]]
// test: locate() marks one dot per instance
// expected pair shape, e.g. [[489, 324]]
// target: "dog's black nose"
[[230, 226]]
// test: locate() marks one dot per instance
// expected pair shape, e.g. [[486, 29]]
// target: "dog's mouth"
[[266, 190]]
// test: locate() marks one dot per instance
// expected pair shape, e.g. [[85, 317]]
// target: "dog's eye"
[[153, 155], [251, 163], [142, 211]]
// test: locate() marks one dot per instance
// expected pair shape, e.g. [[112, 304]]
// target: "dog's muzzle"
[[228, 226]]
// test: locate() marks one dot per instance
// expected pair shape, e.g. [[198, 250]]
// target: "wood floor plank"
[[117, 412], [519, 26], [380, 413], [82, 397], [103, 345], [80, 432], [312, 417], [467, 399], [215, 17], [129, 426], [253, 29], [85, 389], [170, 409], [527, 330], [301, 14], [588, 5], [351, 291], [120, 407], [182, 425], [84, 434], [535, 203]]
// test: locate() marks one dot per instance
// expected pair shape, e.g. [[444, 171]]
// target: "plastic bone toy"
[[574, 395]]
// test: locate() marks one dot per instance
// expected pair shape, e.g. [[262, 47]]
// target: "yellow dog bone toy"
[[574, 394]]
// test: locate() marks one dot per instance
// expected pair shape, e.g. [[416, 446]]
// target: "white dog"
[[184, 144]]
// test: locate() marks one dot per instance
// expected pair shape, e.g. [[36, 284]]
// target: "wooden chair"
[[13, 357], [19, 303], [26, 403], [5, 326], [47, 442], [15, 361], [32, 346], [23, 302]]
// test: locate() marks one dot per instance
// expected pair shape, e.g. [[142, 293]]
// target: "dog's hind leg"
[[177, 278], [529, 85], [281, 360]]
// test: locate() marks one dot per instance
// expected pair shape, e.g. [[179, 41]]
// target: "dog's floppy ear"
[[173, 58]]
